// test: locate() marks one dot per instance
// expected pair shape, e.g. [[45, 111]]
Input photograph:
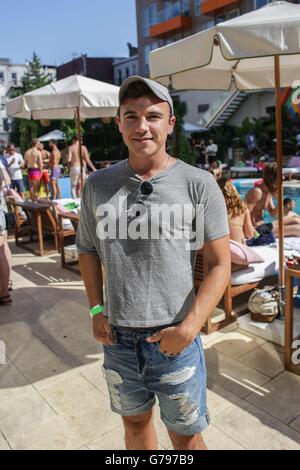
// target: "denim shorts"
[[137, 372]]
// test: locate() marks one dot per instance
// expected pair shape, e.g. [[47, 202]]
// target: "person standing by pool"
[[15, 165], [34, 162], [260, 199], [151, 321], [45, 179], [54, 167], [74, 160], [3, 159]]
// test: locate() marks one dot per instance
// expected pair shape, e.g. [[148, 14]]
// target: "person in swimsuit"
[[260, 199], [74, 160], [240, 224], [45, 179], [34, 162], [54, 160]]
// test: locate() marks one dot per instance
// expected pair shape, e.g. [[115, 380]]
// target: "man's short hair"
[[287, 200], [35, 141], [53, 141]]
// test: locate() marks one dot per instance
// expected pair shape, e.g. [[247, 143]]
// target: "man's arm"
[[217, 259], [91, 272], [40, 162], [69, 155], [86, 157]]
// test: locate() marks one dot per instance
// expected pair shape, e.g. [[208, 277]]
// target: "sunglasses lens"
[[146, 188]]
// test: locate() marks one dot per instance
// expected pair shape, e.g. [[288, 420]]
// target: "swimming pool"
[[243, 186]]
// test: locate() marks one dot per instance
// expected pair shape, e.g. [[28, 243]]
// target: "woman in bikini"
[[240, 224], [260, 199]]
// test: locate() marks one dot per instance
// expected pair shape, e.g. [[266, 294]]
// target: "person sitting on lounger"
[[215, 169], [240, 224], [260, 199]]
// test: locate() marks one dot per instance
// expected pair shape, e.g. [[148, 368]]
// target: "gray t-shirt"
[[147, 238]]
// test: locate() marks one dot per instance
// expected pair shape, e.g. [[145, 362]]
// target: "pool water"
[[244, 185]]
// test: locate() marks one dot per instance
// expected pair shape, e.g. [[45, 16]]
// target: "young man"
[[151, 320], [54, 161], [75, 172], [15, 165], [34, 162], [45, 178]]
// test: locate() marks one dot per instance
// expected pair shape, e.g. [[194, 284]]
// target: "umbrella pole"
[[279, 185], [80, 147]]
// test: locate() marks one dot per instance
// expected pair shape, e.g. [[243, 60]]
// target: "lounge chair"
[[236, 171], [242, 281]]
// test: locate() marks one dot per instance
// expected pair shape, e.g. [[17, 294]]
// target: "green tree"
[[23, 131], [180, 147]]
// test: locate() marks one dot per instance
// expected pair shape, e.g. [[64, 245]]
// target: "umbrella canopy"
[[53, 135], [60, 100], [254, 51], [188, 128], [237, 53]]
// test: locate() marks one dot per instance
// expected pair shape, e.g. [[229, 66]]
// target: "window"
[[149, 18], [207, 25], [197, 7], [173, 8], [260, 3], [233, 13], [127, 72], [147, 49], [134, 69], [120, 78], [202, 108], [2, 102], [228, 15], [14, 78], [1, 76]]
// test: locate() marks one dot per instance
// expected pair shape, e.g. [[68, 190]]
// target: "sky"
[[58, 29]]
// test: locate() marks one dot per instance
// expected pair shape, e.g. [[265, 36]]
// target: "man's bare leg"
[[195, 442], [139, 432]]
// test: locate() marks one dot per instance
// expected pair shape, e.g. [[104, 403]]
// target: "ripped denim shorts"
[[137, 372]]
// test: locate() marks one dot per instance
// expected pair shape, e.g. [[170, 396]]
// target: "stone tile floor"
[[53, 394]]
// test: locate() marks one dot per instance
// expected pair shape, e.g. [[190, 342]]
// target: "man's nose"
[[143, 125]]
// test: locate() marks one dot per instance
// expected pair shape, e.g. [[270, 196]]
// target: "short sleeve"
[[85, 237], [215, 212]]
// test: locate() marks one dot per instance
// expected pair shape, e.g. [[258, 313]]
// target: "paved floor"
[[53, 394]]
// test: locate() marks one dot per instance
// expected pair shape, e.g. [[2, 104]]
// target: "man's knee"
[[137, 422]]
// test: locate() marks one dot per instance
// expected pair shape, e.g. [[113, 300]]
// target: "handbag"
[[263, 304]]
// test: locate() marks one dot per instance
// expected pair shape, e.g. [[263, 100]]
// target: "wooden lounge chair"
[[230, 293]]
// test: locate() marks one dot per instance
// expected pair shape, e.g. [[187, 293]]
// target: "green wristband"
[[96, 310]]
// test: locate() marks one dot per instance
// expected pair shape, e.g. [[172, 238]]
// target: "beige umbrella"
[[258, 50], [72, 97]]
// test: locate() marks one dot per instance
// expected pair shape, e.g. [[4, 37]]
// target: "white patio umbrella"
[[73, 97], [258, 50], [53, 135]]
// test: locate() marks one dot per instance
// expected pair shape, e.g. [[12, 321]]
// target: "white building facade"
[[11, 77]]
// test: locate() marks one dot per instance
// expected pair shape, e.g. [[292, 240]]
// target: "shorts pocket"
[[178, 356]]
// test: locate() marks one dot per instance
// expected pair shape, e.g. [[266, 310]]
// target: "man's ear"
[[118, 122], [172, 122]]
